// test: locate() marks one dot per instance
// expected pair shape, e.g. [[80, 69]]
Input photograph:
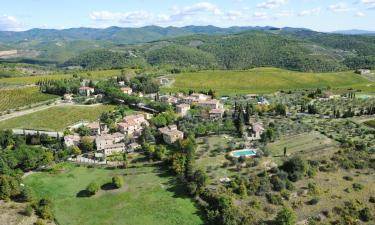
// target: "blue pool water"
[[244, 152]]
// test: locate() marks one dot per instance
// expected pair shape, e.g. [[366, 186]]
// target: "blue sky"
[[320, 15]]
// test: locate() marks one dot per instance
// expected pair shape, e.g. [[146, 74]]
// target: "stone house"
[[182, 109], [171, 134]]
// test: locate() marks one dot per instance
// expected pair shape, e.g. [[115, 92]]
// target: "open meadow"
[[149, 196], [56, 118], [265, 80], [19, 97]]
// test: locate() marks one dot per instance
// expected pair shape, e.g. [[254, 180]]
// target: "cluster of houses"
[[183, 103], [129, 128]]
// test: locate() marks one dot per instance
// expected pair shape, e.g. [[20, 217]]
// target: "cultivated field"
[[18, 97], [265, 80], [310, 145], [149, 196], [99, 74], [56, 118]]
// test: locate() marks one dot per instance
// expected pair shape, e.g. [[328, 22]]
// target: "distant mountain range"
[[355, 32], [123, 35]]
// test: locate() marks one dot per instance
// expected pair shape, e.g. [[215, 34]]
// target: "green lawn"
[[265, 80], [18, 97], [149, 196], [56, 118]]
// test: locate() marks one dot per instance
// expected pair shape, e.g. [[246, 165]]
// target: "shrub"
[[285, 217], [275, 199], [313, 189], [372, 199], [313, 201], [92, 188], [45, 212], [117, 181], [40, 222], [365, 214], [285, 194], [357, 186], [28, 211], [26, 195], [348, 178]]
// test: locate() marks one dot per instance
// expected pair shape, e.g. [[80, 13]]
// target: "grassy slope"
[[56, 118], [264, 80], [14, 98], [148, 197]]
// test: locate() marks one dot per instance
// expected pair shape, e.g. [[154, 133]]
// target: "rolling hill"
[[195, 47]]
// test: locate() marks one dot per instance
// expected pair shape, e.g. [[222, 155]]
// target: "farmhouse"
[[127, 90], [182, 109], [200, 97], [72, 140], [94, 128], [171, 134], [216, 114], [113, 149], [256, 131], [211, 104], [188, 100], [86, 91], [103, 141], [168, 99], [133, 125]]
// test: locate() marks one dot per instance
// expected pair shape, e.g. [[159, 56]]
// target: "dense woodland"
[[317, 52]]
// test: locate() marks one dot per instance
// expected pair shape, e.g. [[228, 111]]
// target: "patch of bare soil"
[[11, 213]]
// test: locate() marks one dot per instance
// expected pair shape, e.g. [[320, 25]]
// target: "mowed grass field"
[[56, 118], [98, 74], [265, 80], [149, 196], [18, 97]]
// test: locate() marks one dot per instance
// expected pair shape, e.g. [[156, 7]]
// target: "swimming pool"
[[244, 152]]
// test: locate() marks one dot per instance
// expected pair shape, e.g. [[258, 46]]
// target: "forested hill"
[[300, 50], [193, 48], [116, 34]]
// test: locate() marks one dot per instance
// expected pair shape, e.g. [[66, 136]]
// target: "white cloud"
[[310, 12], [270, 4], [10, 23], [260, 16], [234, 15], [370, 4], [340, 7], [180, 14], [360, 14], [198, 8], [283, 14]]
